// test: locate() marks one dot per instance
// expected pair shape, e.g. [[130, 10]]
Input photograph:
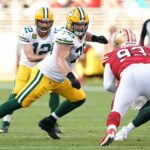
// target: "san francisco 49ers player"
[[130, 65]]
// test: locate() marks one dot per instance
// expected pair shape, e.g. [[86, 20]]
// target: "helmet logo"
[[70, 13]]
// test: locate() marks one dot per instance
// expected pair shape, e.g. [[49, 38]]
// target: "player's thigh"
[[72, 94], [22, 77], [37, 85], [125, 95]]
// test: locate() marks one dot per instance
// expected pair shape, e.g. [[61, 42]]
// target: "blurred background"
[[106, 16]]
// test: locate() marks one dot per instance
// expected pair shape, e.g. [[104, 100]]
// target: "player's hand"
[[74, 82], [100, 39]]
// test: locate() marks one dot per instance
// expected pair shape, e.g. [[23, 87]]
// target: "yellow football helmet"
[[77, 17], [44, 14], [124, 37]]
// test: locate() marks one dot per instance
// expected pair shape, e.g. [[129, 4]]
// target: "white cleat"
[[122, 134]]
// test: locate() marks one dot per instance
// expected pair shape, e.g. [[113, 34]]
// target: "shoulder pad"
[[65, 37]]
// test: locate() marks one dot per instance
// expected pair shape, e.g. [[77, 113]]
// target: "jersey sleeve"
[[105, 59], [24, 37], [65, 38], [109, 81]]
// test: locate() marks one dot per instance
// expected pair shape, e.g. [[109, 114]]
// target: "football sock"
[[11, 97], [8, 107], [53, 101], [7, 118], [113, 119], [67, 106], [142, 117], [130, 127]]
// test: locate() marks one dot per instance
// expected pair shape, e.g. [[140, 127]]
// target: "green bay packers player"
[[36, 41], [58, 77]]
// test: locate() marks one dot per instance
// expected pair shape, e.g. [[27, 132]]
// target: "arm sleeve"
[[109, 79], [143, 33]]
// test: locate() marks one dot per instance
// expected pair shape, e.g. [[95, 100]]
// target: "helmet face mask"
[[44, 19], [77, 21], [124, 37], [44, 26], [79, 29]]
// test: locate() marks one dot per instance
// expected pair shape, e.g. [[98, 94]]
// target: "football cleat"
[[122, 134], [5, 126], [58, 130], [108, 138], [4, 129], [47, 126]]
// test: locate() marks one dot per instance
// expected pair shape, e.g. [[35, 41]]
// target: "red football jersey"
[[121, 58]]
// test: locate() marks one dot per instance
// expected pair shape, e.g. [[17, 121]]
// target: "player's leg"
[[143, 84], [53, 101], [53, 104], [37, 85], [22, 77], [75, 98], [142, 117], [122, 100]]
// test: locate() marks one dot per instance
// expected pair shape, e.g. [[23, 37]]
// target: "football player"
[[35, 42], [58, 77], [122, 64], [144, 112]]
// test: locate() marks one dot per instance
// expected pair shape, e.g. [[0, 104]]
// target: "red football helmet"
[[124, 37]]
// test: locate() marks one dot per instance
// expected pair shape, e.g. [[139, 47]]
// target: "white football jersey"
[[48, 65], [40, 45]]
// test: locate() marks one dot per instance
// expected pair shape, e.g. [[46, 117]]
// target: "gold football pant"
[[38, 84], [22, 77]]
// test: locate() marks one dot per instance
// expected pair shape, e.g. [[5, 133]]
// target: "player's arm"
[[28, 50], [109, 81], [62, 52], [143, 33], [18, 54], [94, 38]]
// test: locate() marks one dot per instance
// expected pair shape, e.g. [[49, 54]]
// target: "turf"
[[83, 128]]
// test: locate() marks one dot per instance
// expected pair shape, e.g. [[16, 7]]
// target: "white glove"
[[139, 103]]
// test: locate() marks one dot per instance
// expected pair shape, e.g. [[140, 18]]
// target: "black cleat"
[[47, 126], [4, 129]]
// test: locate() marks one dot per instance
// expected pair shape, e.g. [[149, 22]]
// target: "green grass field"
[[83, 128]]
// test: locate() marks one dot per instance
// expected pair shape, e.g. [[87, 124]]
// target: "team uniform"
[[131, 66], [143, 114], [40, 46], [29, 35], [46, 76]]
